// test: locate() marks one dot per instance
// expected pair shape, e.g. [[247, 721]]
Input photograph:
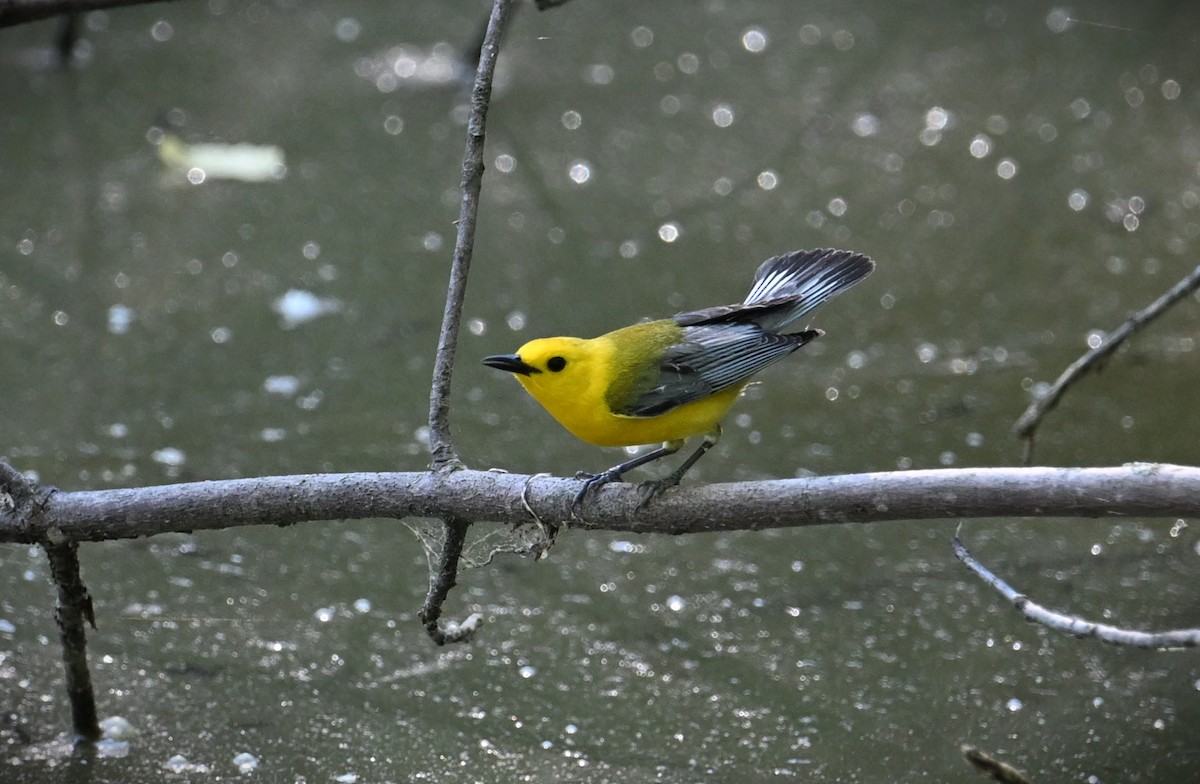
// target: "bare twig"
[[73, 608], [1078, 627], [1026, 425], [439, 587], [440, 444], [1138, 490]]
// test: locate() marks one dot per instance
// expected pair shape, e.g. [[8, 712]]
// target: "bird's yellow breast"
[[601, 372]]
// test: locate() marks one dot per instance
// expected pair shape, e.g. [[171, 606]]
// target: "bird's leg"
[[593, 481], [656, 486]]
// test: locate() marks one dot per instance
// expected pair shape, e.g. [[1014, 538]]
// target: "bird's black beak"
[[510, 362]]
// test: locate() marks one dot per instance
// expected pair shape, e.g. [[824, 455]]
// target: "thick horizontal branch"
[[1141, 489]]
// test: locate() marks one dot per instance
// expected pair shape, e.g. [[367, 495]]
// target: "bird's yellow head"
[[551, 368], [564, 375]]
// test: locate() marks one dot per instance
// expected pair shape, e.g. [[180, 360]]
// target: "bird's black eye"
[[556, 364]]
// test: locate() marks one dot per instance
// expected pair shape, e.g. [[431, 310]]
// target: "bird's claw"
[[653, 489], [647, 491], [590, 483]]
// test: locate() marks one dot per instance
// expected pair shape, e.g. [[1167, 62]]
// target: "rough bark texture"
[[1141, 489]]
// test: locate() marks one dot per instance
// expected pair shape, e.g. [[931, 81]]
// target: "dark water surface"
[[1023, 180]]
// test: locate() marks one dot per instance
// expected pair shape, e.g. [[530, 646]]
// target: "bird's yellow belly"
[[596, 425]]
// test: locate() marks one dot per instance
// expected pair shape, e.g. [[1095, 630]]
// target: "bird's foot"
[[591, 482], [654, 488]]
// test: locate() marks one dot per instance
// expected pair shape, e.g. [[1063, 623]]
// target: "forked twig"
[[1026, 425]]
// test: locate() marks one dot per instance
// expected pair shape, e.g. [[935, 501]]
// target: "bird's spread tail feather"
[[808, 278]]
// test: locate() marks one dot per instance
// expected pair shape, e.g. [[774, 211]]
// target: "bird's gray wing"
[[710, 358]]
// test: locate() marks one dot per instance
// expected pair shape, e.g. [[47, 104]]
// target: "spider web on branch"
[[484, 541]]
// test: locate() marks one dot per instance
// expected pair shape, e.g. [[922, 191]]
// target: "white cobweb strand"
[[484, 541]]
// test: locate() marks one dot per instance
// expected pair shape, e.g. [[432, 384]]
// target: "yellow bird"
[[667, 380]]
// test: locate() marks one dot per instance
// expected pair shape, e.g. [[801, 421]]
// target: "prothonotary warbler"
[[666, 380]]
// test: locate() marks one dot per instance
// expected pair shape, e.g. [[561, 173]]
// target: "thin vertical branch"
[[440, 445], [439, 587], [73, 608]]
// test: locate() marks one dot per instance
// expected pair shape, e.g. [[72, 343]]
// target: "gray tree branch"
[[440, 445], [1027, 424], [1134, 490], [72, 609], [1071, 624]]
